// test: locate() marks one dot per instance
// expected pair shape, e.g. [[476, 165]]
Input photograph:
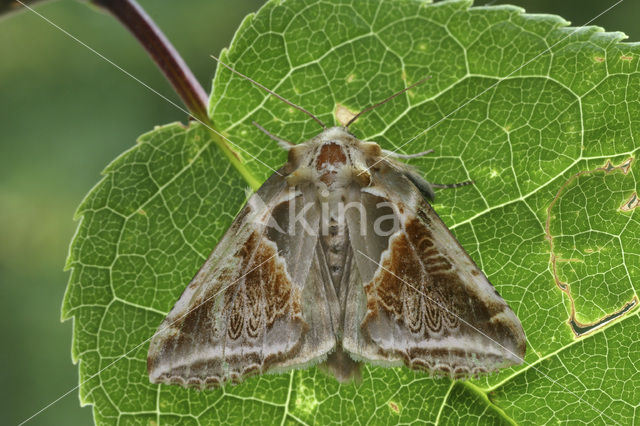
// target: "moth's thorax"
[[331, 159], [334, 159]]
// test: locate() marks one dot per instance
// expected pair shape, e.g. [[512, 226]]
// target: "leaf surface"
[[543, 117]]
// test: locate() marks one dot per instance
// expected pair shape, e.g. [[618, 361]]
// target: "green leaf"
[[544, 119]]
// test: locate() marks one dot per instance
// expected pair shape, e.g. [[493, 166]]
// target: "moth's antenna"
[[355, 117], [298, 107]]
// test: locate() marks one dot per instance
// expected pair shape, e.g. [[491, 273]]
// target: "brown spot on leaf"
[[580, 329], [631, 203], [343, 114]]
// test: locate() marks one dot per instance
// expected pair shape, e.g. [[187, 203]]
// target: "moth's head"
[[338, 135], [301, 155], [334, 158]]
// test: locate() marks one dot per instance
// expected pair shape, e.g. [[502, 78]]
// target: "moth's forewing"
[[257, 305], [422, 301]]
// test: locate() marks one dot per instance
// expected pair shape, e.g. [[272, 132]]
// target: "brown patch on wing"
[[422, 294], [265, 281], [417, 285], [256, 307]]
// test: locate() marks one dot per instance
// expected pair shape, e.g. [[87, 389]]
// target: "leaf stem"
[[132, 16]]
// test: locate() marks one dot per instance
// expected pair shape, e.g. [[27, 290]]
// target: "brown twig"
[[132, 16]]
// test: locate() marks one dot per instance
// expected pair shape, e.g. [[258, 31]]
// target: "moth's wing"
[[255, 306], [416, 297]]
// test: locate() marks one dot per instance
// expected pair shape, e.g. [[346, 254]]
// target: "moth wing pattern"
[[257, 305], [418, 298]]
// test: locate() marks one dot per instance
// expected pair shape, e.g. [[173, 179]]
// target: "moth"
[[338, 259]]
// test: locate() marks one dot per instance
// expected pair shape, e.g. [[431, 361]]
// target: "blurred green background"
[[64, 115]]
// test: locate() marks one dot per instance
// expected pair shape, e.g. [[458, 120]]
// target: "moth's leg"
[[451, 185], [426, 188], [406, 156], [286, 145]]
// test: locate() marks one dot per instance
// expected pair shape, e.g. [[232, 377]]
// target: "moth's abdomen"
[[335, 243]]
